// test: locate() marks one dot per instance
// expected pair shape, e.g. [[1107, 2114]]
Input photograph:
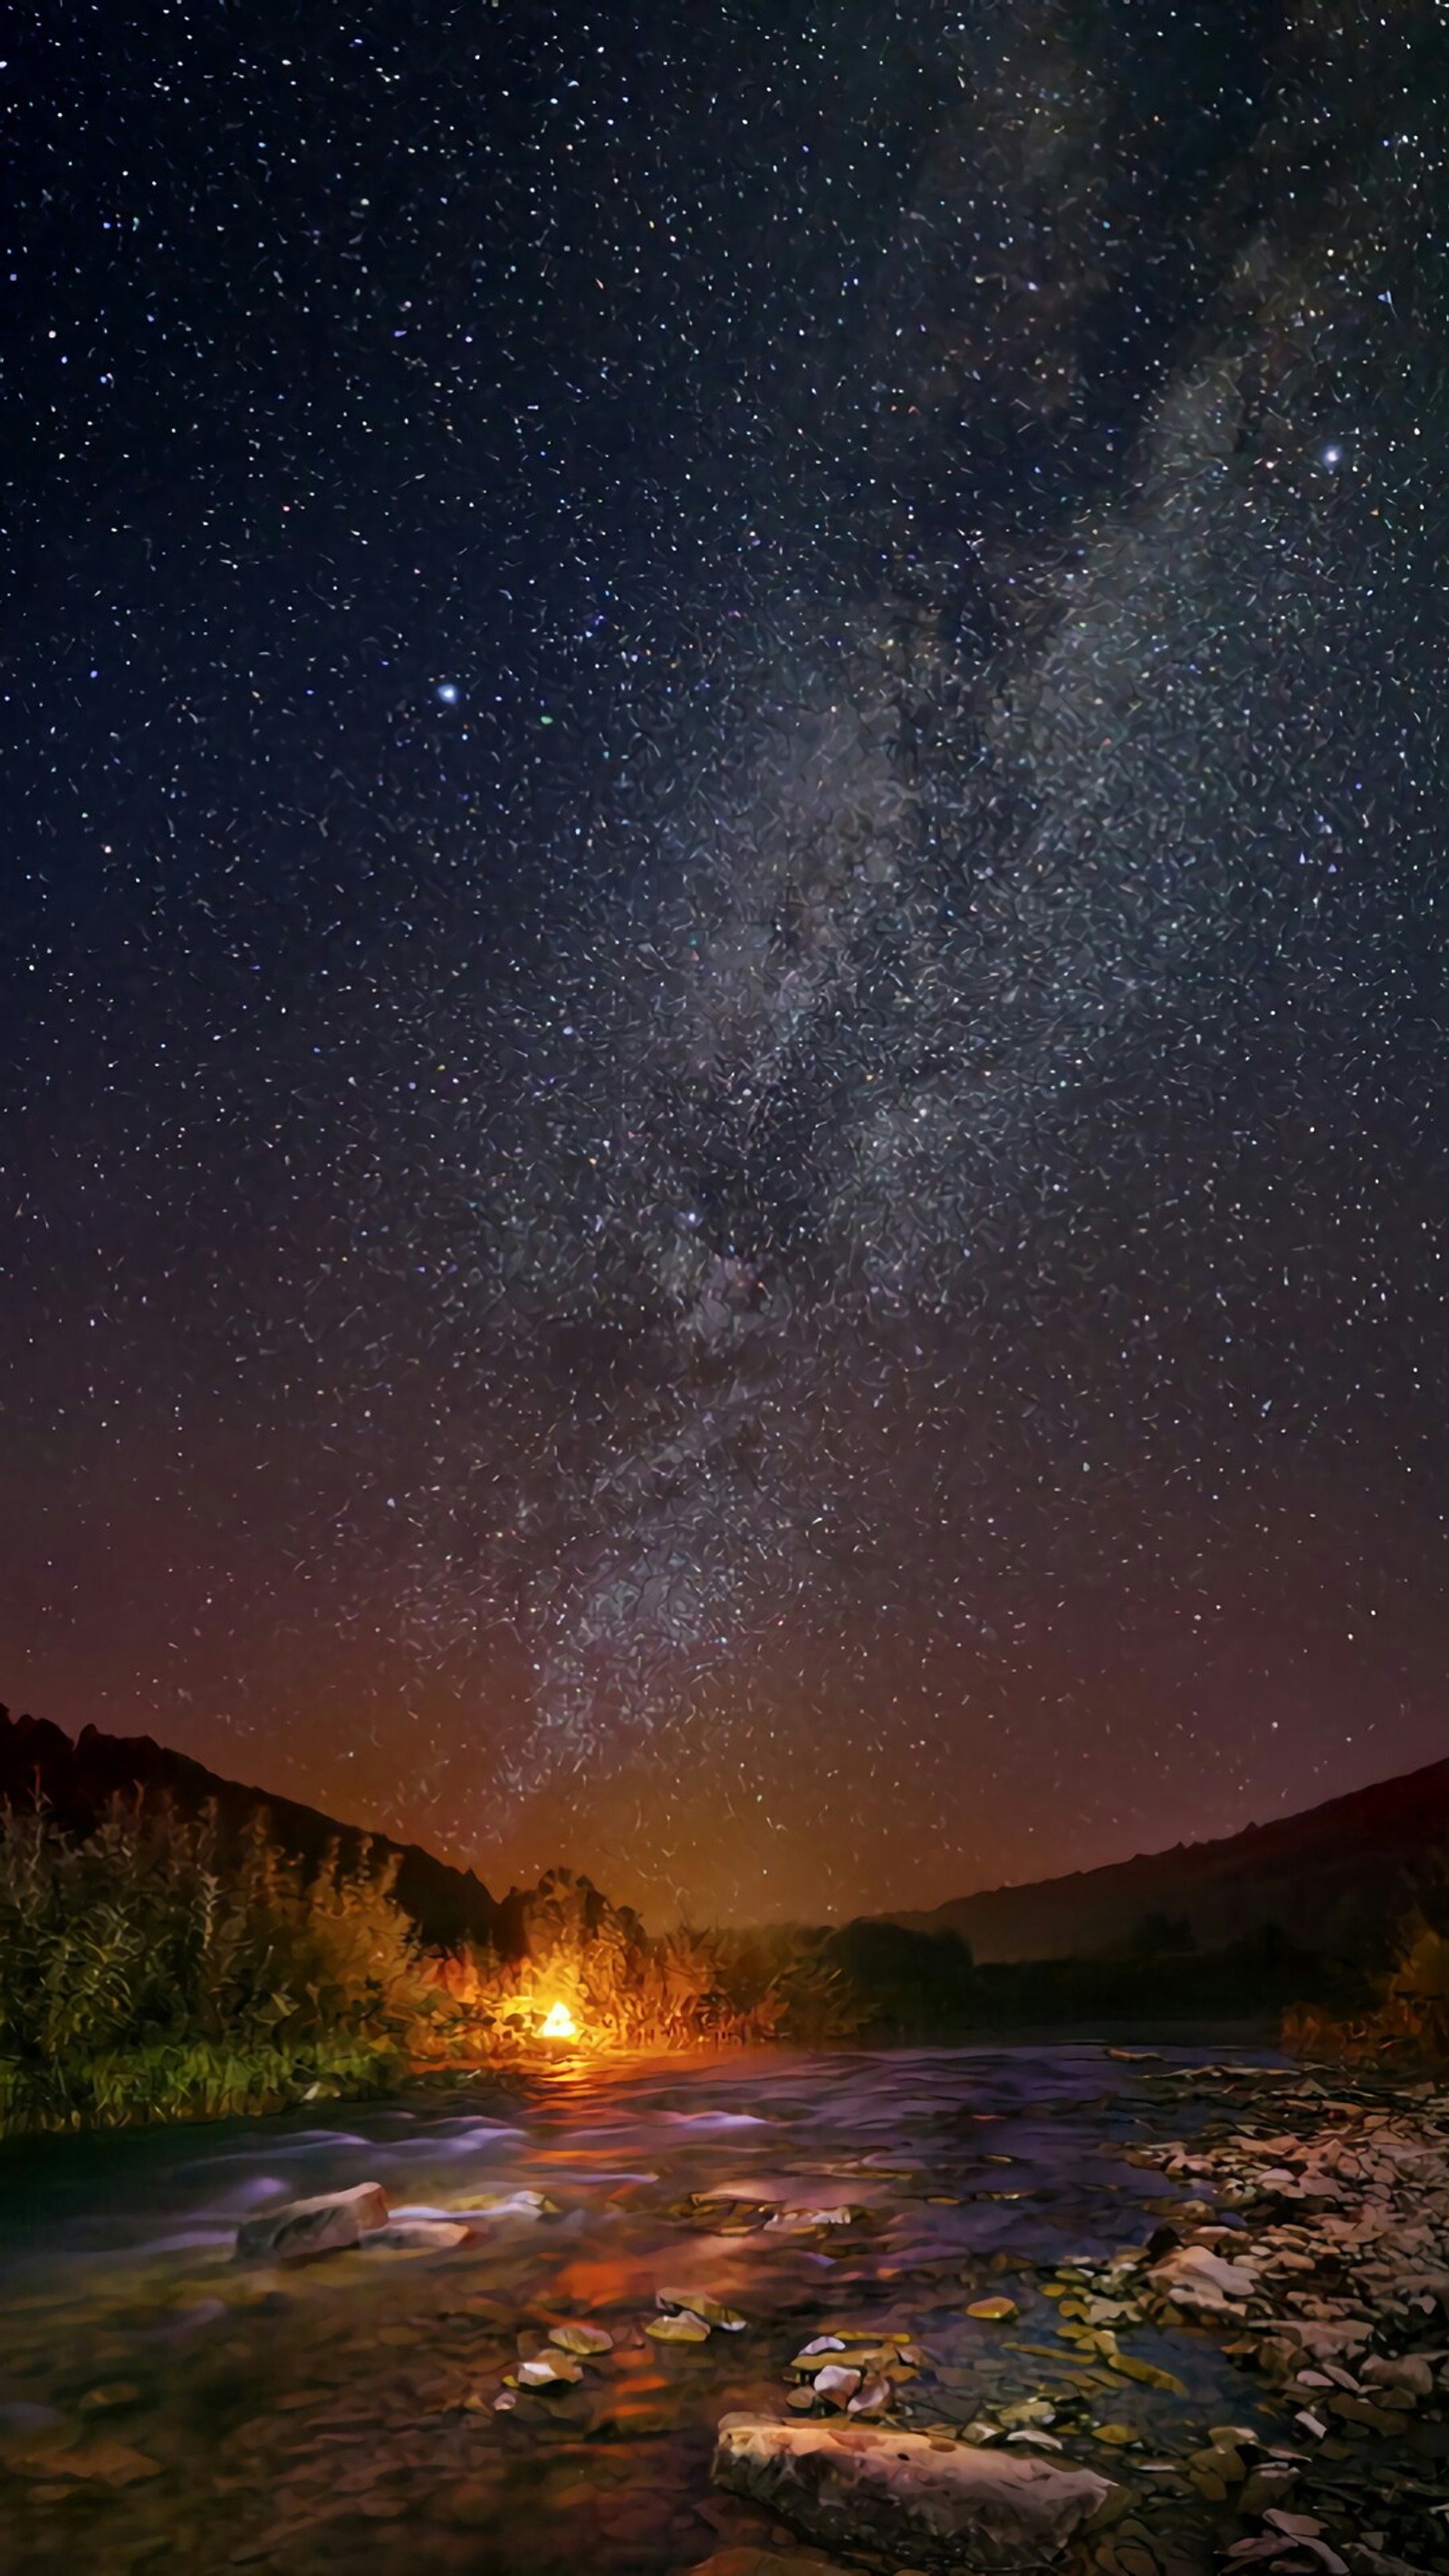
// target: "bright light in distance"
[[559, 2023]]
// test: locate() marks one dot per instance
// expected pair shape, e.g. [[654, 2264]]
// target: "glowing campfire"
[[559, 2023]]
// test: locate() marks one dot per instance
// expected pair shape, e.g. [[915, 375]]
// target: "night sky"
[[725, 1101]]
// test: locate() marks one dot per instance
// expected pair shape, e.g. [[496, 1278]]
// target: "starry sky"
[[723, 934]]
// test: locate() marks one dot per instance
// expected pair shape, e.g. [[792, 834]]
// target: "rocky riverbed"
[[1133, 2312]]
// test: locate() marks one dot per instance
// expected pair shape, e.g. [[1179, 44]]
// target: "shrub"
[[147, 1968], [908, 1984], [627, 1988], [1407, 2028]]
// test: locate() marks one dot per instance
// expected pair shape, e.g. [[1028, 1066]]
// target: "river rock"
[[962, 2507], [326, 2225], [1330, 2339], [1411, 2372], [519, 2204], [415, 2236], [1195, 2277]]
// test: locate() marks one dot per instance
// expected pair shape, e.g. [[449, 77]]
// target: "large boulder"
[[957, 2504], [300, 2228]]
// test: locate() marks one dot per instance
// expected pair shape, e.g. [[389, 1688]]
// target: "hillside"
[[1313, 1875], [77, 1779]]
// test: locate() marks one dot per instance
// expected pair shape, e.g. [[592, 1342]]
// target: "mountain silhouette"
[[1322, 1876], [76, 1780]]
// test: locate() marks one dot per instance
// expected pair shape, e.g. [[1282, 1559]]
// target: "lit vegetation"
[[157, 1969], [1406, 2028], [627, 1988]]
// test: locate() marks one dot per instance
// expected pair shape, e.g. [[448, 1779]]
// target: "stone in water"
[[300, 2228], [548, 2370], [873, 2399], [581, 2339], [415, 2236], [698, 2303]]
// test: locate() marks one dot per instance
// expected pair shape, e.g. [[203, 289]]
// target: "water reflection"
[[289, 2414]]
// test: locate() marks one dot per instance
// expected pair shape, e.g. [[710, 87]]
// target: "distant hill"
[[1316, 1876], [1319, 1877], [76, 1780]]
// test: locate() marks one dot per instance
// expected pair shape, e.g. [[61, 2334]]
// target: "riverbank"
[[170, 1968], [166, 1967]]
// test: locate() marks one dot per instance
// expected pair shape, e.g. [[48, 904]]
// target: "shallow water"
[[160, 2403]]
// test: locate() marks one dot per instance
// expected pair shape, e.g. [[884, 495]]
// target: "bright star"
[[448, 692]]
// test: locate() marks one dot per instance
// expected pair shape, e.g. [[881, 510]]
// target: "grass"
[[150, 1970]]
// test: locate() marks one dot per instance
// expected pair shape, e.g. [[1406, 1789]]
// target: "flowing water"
[[160, 2403]]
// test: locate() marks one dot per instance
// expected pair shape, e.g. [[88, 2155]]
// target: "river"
[[162, 2404]]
